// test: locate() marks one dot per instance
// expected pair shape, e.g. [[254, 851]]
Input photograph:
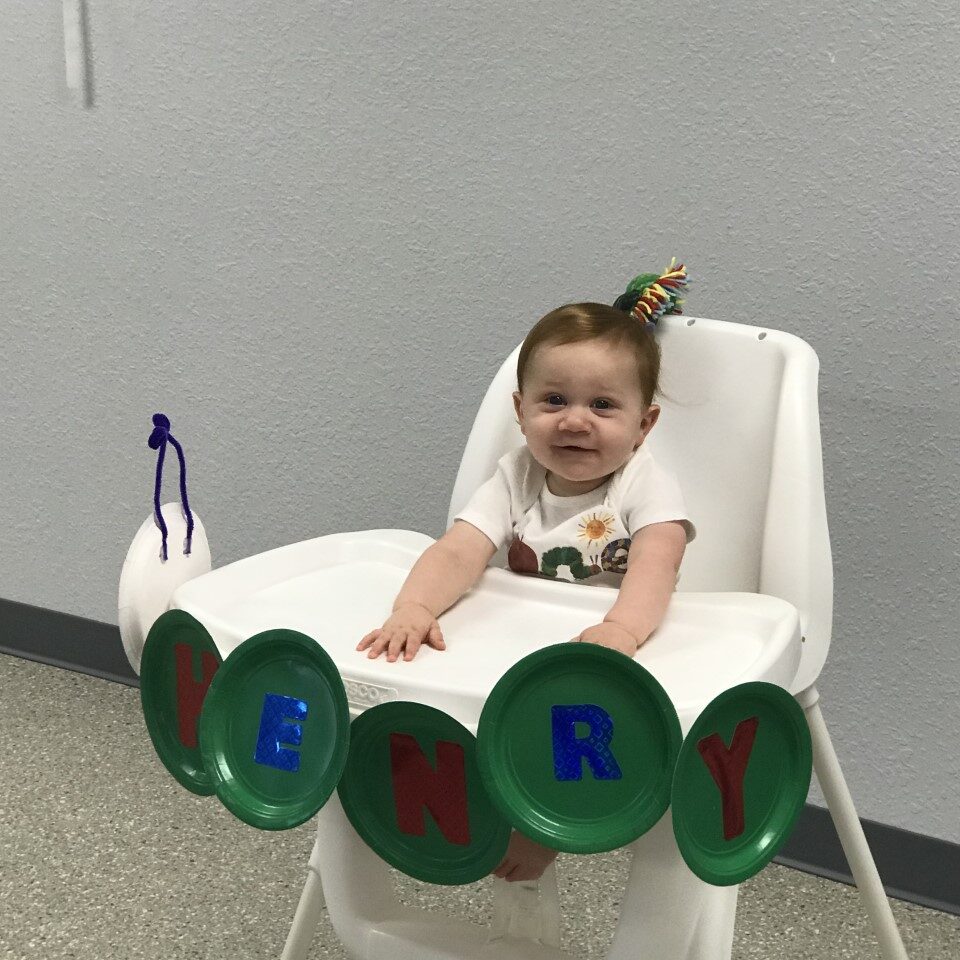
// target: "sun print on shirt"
[[595, 529]]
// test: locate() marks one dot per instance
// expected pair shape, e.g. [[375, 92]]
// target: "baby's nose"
[[574, 419]]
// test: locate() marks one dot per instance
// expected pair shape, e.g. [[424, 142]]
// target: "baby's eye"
[[602, 404], [555, 399]]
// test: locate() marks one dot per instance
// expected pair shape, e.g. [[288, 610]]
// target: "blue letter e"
[[274, 731]]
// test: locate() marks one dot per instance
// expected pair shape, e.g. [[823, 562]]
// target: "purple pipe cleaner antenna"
[[158, 441]]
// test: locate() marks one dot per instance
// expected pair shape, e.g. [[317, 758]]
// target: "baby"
[[582, 495]]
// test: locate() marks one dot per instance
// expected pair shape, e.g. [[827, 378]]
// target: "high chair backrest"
[[740, 429]]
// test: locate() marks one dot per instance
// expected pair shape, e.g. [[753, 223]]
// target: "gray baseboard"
[[916, 868], [64, 640], [913, 867]]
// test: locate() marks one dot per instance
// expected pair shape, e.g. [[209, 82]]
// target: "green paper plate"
[[275, 729], [179, 658], [774, 784], [406, 758], [529, 747]]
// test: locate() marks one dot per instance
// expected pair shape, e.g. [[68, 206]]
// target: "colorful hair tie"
[[650, 296]]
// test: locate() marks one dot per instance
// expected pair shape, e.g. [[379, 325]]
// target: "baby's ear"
[[516, 408], [647, 423]]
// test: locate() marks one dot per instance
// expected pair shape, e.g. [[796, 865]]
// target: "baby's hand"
[[406, 629], [525, 859], [610, 635]]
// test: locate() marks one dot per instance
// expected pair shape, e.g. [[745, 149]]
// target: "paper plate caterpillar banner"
[[577, 746]]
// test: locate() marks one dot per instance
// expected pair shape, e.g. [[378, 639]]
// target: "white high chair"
[[740, 429]]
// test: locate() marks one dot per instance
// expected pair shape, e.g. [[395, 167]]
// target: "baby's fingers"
[[380, 645], [413, 645], [434, 638], [369, 639], [401, 639]]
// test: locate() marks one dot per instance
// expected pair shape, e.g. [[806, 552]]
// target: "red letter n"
[[417, 785]]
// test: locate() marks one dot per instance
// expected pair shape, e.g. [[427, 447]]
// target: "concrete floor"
[[104, 855]]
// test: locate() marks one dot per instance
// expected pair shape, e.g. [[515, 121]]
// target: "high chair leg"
[[852, 838], [669, 913], [305, 919], [715, 929], [528, 909]]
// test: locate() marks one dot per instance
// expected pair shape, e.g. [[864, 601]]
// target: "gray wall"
[[310, 232]]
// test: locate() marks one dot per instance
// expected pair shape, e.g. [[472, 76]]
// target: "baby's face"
[[582, 413]]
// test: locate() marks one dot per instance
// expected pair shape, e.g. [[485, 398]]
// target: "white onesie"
[[582, 539]]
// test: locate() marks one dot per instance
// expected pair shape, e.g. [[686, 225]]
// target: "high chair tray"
[[337, 588]]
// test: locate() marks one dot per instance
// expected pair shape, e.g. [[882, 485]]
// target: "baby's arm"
[[445, 571], [651, 578]]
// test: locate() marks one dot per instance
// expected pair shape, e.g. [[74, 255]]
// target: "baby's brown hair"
[[577, 322]]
